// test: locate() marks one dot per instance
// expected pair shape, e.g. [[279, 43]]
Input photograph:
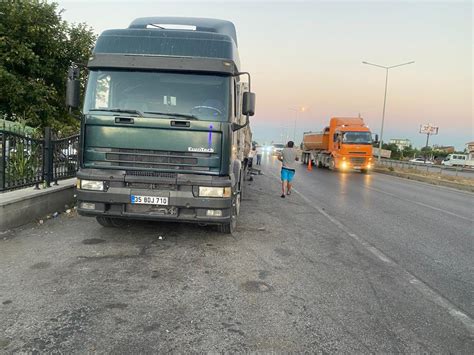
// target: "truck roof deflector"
[[201, 24]]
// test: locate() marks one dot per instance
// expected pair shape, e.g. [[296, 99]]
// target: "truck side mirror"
[[376, 138], [73, 87], [248, 104]]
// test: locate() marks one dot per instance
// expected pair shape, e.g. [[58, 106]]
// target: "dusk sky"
[[309, 53]]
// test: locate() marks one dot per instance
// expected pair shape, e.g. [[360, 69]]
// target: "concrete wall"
[[28, 205]]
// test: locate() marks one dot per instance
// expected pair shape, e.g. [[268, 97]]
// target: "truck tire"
[[109, 222], [104, 221], [228, 228], [364, 171], [332, 164]]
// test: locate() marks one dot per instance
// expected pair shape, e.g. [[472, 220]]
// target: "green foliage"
[[24, 163], [36, 48], [410, 152]]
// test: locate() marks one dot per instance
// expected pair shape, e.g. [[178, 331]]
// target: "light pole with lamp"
[[299, 109], [384, 98]]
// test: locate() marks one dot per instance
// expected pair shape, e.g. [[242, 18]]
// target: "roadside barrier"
[[27, 161], [439, 169]]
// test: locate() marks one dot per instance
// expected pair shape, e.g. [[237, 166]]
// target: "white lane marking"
[[419, 203], [426, 290]]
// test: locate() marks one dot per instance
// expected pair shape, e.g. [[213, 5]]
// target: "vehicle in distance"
[[421, 161], [343, 145], [458, 160], [277, 148], [163, 123]]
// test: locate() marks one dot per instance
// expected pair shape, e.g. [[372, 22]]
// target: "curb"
[[428, 180], [23, 206]]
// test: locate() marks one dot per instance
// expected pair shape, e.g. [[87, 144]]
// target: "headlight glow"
[[91, 185], [207, 191], [344, 165]]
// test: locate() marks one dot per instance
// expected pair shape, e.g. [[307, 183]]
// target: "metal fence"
[[431, 168], [26, 161]]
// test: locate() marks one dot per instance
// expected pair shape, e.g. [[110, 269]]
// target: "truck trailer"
[[345, 144], [163, 123]]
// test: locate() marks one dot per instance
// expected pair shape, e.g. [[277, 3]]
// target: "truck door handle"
[[180, 123], [126, 120]]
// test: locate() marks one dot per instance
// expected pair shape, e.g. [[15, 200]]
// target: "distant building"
[[401, 143], [445, 149]]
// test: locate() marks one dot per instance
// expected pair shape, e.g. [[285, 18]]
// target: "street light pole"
[[296, 117], [384, 99]]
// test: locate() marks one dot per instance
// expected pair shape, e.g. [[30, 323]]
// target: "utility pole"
[[384, 98]]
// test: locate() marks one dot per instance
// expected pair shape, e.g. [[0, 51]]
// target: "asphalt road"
[[350, 264], [426, 229]]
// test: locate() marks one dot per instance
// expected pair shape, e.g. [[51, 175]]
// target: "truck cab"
[[350, 143], [160, 124], [345, 144]]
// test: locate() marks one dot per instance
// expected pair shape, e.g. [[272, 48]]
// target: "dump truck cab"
[[350, 143], [163, 108], [345, 144]]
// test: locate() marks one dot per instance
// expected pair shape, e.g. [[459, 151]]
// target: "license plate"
[[356, 167], [149, 200]]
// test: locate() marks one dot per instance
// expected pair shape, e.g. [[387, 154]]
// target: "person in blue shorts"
[[288, 157]]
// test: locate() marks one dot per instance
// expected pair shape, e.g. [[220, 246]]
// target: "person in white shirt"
[[259, 155]]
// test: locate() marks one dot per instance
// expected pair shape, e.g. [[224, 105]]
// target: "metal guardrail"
[[26, 161], [440, 169]]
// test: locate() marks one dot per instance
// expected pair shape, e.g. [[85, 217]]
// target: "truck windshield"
[[357, 138], [156, 94]]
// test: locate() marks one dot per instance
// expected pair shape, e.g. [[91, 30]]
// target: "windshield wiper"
[[118, 110], [190, 117]]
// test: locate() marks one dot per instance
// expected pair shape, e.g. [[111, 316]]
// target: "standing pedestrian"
[[252, 155], [288, 157], [259, 155]]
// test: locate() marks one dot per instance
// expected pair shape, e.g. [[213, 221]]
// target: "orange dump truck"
[[345, 144]]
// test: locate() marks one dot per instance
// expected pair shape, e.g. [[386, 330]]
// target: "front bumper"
[[183, 203], [354, 163]]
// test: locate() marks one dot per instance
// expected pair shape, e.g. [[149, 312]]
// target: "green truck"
[[163, 123]]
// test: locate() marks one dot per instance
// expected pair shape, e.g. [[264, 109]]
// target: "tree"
[[36, 49], [410, 152]]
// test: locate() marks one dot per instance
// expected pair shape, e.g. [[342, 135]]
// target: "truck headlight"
[[206, 191], [90, 185]]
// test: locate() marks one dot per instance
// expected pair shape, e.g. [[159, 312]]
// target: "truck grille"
[[154, 174], [357, 161], [154, 159]]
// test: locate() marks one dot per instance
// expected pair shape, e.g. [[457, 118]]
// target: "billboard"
[[429, 129], [384, 153]]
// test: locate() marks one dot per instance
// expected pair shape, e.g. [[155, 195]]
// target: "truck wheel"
[[364, 171], [118, 222], [104, 221], [228, 228], [111, 222], [320, 164], [332, 164]]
